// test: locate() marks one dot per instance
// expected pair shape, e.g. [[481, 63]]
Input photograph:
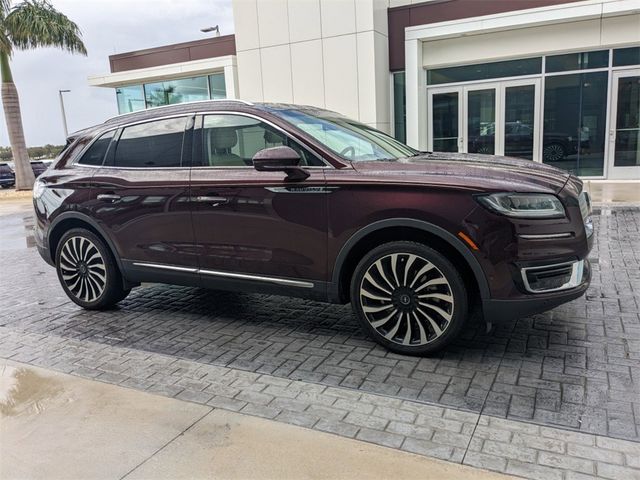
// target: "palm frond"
[[5, 6], [35, 23]]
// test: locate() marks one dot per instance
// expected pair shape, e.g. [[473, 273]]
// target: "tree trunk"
[[11, 104]]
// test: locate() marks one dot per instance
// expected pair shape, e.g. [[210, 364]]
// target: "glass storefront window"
[[577, 61], [626, 56], [575, 114], [217, 87], [519, 118], [176, 91], [484, 71], [130, 98], [399, 107], [627, 147]]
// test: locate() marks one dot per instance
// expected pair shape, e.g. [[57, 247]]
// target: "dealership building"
[[547, 80]]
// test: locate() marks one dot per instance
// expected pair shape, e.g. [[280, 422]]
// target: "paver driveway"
[[573, 369]]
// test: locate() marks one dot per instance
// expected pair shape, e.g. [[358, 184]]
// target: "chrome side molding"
[[237, 276]]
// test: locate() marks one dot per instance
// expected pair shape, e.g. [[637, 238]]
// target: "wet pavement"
[[105, 431], [574, 368]]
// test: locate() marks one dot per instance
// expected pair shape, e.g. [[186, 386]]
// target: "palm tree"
[[27, 25]]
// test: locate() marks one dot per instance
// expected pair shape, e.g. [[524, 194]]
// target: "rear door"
[[140, 195]]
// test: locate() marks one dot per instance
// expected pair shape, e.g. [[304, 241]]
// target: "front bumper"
[[499, 311], [42, 244]]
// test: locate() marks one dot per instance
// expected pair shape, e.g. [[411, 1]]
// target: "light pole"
[[211, 29], [64, 115]]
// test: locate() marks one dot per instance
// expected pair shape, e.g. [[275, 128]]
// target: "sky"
[[108, 27]]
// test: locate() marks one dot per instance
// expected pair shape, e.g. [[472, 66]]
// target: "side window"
[[233, 140], [151, 144], [96, 152]]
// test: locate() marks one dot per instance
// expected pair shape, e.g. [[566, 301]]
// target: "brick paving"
[[554, 395]]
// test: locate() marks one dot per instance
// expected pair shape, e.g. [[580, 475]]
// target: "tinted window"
[[233, 140], [575, 113], [626, 56], [577, 61], [95, 154], [152, 144], [466, 73]]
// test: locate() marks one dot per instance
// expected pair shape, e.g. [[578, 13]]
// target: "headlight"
[[523, 205], [38, 189]]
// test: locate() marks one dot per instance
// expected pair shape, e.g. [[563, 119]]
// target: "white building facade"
[[551, 81]]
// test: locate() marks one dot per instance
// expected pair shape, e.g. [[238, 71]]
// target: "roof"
[[199, 106]]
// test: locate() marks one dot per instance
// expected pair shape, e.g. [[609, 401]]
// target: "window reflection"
[[575, 112], [132, 98], [176, 91]]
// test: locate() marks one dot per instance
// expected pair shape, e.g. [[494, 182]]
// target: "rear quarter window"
[[98, 149]]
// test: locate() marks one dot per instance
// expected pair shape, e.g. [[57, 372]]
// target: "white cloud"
[[108, 27]]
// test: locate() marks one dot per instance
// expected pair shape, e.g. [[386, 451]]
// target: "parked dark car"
[[298, 201], [7, 177], [38, 167], [519, 142]]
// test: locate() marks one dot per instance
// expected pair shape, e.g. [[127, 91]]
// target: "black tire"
[[87, 270], [409, 298], [7, 185]]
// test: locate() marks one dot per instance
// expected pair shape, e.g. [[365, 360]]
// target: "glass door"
[[497, 118], [624, 126], [445, 120], [481, 108]]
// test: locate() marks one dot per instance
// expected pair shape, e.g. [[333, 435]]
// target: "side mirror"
[[280, 159]]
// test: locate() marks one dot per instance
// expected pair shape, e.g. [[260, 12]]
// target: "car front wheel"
[[409, 298], [87, 271]]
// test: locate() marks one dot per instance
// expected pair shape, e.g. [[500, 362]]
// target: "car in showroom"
[[519, 140], [299, 201]]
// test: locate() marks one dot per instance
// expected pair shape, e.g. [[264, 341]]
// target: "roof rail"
[[244, 102]]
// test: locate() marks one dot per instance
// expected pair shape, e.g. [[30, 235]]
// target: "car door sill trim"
[[239, 276], [166, 267]]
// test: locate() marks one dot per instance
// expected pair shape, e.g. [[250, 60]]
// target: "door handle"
[[214, 201], [108, 197]]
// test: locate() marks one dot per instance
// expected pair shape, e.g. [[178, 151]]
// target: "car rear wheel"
[[409, 298], [553, 152], [87, 271]]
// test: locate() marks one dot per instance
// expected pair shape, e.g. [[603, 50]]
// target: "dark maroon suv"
[[297, 201]]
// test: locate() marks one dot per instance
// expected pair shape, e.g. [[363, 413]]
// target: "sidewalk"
[[54, 426]]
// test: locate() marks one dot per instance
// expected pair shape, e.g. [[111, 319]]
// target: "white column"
[[416, 94], [231, 81]]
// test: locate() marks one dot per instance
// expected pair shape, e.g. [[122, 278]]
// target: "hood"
[[475, 171]]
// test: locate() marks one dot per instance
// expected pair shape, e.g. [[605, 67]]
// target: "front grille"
[[552, 278]]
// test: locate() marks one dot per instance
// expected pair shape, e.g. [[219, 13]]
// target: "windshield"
[[349, 139]]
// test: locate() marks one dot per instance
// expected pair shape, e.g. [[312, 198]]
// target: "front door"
[[252, 225], [497, 118], [624, 126]]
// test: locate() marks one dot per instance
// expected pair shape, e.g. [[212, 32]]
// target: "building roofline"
[[207, 48]]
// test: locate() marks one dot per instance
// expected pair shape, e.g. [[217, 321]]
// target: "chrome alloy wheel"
[[407, 299], [83, 269], [553, 153]]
